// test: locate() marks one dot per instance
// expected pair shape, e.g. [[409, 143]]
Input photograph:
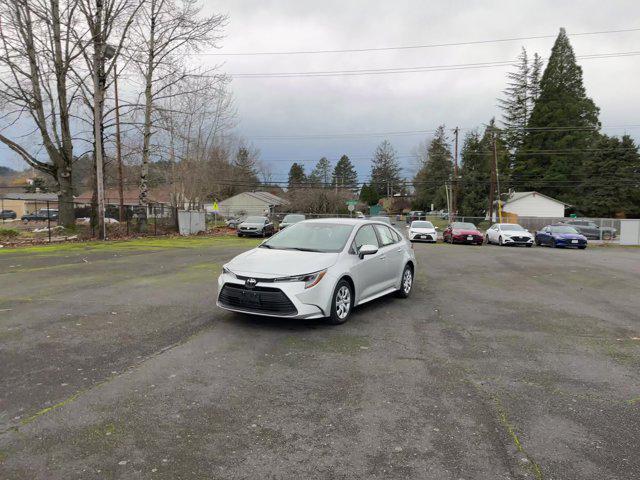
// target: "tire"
[[500, 241], [554, 244], [529, 245], [341, 303], [239, 235], [406, 282], [582, 247], [487, 241]]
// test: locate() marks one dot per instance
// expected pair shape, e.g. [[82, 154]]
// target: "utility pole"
[[492, 186], [446, 191], [454, 192], [118, 144], [497, 174]]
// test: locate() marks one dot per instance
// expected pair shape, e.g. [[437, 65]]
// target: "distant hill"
[[6, 171]]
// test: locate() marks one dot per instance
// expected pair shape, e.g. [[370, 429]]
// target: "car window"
[[396, 236], [386, 237], [365, 236]]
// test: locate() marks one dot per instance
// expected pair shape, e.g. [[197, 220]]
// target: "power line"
[[417, 69], [411, 47]]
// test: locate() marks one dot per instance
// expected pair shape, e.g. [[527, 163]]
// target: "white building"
[[533, 204], [250, 203]]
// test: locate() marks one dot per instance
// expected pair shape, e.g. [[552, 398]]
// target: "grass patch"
[[7, 233], [138, 244]]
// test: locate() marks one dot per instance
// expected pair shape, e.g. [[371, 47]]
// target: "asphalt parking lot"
[[505, 363]]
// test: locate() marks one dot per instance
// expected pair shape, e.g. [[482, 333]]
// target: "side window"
[[396, 236], [386, 238], [365, 236]]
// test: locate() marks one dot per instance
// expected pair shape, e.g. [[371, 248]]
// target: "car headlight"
[[227, 271], [309, 279]]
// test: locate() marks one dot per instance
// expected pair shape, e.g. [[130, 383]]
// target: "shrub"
[[6, 233]]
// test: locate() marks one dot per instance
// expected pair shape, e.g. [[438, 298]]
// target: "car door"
[[546, 237], [493, 234], [369, 273], [390, 246]]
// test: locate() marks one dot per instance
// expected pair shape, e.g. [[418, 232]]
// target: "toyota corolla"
[[319, 268]]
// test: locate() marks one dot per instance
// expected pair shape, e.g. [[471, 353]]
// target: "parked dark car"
[[256, 227], [233, 222], [592, 230], [561, 236], [7, 215], [41, 215], [415, 215], [462, 232], [290, 219]]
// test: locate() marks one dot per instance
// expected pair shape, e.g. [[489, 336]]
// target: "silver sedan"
[[319, 268]]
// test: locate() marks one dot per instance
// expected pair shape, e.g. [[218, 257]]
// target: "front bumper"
[[422, 237], [475, 239], [313, 302], [250, 233], [566, 242], [517, 240]]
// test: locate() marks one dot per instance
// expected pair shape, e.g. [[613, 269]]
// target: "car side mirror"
[[367, 250]]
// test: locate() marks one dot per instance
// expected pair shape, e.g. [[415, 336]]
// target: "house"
[[250, 203], [158, 199], [23, 203], [533, 204]]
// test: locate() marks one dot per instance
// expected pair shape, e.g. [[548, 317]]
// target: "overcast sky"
[[407, 101]]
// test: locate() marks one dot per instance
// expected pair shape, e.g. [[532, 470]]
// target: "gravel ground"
[[504, 363]]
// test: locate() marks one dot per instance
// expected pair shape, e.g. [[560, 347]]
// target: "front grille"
[[520, 239], [258, 279], [258, 299]]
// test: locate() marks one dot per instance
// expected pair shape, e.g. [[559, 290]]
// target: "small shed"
[[250, 203], [533, 204]]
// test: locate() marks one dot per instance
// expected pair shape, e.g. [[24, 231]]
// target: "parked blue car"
[[560, 236]]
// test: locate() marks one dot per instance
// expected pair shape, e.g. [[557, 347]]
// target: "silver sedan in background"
[[319, 268]]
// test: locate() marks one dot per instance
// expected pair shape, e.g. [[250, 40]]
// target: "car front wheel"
[[342, 303], [406, 283]]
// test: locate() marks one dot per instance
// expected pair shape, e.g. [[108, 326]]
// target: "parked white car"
[[319, 268], [422, 230], [508, 234]]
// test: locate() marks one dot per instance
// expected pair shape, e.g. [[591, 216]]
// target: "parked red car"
[[462, 232]]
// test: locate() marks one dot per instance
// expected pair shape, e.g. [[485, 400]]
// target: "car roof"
[[344, 221]]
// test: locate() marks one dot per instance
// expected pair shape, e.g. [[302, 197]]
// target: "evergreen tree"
[[523, 89], [344, 175], [321, 174], [385, 170], [436, 170], [297, 176], [563, 124], [245, 167], [369, 195], [609, 188], [477, 158]]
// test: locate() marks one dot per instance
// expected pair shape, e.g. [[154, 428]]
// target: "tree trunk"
[[66, 210]]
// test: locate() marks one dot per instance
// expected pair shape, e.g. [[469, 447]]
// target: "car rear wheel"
[[500, 241], [582, 247], [406, 284], [342, 303]]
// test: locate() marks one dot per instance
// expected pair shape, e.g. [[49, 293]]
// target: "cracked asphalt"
[[505, 363]]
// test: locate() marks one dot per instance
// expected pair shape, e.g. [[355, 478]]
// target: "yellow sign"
[[215, 207]]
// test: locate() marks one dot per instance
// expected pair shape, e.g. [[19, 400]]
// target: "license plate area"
[[470, 237], [574, 241], [251, 298]]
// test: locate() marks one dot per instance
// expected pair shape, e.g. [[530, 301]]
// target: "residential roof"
[[266, 197], [514, 196], [32, 197], [130, 196]]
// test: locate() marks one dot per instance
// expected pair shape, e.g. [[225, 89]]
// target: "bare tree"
[[108, 22], [38, 48], [167, 30]]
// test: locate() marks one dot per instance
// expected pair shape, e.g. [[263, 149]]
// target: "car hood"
[[461, 231], [255, 225], [423, 230], [514, 233], [280, 263], [568, 236]]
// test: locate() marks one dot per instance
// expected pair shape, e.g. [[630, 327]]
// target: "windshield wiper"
[[264, 245], [302, 249]]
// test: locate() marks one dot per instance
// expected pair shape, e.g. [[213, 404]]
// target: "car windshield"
[[421, 225], [311, 237], [563, 229], [293, 218], [463, 225], [254, 220], [511, 227]]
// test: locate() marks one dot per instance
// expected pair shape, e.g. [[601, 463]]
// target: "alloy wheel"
[[407, 281], [343, 302]]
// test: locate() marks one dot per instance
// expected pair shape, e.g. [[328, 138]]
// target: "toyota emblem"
[[250, 283]]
